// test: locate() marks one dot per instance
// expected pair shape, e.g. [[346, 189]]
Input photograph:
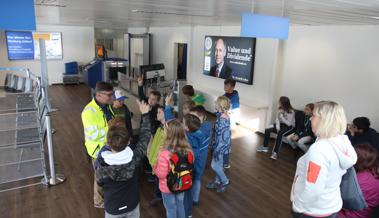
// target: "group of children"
[[320, 172], [168, 144], [291, 126], [177, 150], [295, 128]]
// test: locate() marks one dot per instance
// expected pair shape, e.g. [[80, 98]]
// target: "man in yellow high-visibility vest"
[[95, 117]]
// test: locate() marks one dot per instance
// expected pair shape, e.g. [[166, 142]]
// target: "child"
[[117, 121], [206, 126], [221, 144], [187, 106], [284, 125], [116, 171], [153, 151], [120, 110], [303, 134], [157, 140], [360, 132], [229, 85], [113, 122], [198, 141], [153, 101], [206, 129], [175, 142], [190, 93]]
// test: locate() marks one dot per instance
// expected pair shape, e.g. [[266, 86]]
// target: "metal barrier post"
[[55, 179]]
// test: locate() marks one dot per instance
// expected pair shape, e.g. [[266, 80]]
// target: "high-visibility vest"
[[95, 128]]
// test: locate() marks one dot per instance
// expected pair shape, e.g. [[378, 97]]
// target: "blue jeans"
[[196, 186], [226, 159], [174, 205], [188, 202], [218, 167]]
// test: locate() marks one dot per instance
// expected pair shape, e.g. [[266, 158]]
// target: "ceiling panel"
[[120, 14]]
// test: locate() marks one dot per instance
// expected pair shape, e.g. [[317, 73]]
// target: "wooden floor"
[[260, 187]]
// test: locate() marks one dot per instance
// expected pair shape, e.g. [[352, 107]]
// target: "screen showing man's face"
[[220, 51]]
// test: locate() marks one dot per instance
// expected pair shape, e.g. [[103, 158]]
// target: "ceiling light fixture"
[[354, 3], [49, 3], [169, 13]]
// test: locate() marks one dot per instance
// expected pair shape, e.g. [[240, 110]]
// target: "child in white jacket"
[[316, 187]]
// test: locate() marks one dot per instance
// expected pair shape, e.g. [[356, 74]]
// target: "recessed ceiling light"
[[375, 18]]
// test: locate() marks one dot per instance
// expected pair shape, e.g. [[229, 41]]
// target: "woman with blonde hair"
[[316, 187]]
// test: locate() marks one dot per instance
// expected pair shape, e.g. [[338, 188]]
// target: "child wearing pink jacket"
[[175, 141]]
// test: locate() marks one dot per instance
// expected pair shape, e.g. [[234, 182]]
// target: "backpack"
[[179, 178]]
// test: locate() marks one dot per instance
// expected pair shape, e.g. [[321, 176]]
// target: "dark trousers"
[[301, 215], [157, 192], [188, 202], [284, 131]]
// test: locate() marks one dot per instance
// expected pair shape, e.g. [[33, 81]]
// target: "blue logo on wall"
[[20, 45]]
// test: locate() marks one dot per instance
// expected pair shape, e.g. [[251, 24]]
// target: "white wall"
[[255, 99], [256, 95], [77, 45], [164, 39], [337, 63], [316, 63]]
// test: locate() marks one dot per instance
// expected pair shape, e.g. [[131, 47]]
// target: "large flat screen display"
[[24, 45], [230, 57]]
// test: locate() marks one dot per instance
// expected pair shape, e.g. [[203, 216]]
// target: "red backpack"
[[179, 178]]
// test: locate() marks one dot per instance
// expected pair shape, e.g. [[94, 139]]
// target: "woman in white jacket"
[[316, 186]]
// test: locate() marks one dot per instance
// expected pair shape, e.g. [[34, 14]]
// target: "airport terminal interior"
[[189, 109]]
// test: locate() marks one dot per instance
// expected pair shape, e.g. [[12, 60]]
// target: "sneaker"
[[274, 156], [292, 144], [222, 187], [99, 205], [262, 148], [212, 185], [227, 166]]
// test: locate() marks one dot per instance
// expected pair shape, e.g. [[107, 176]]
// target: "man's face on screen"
[[220, 51]]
